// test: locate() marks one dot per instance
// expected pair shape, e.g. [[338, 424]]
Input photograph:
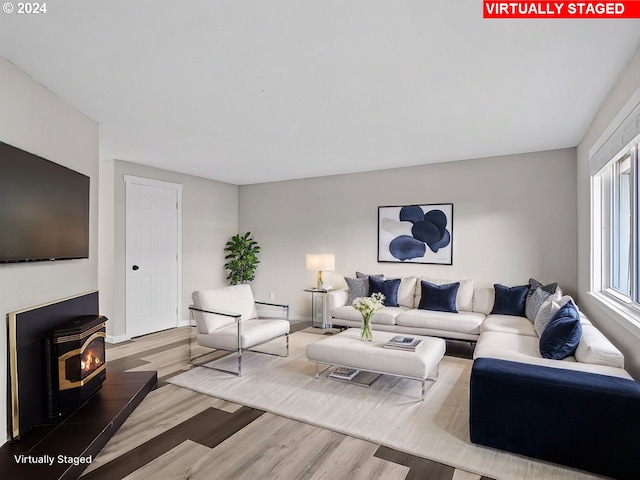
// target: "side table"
[[319, 315]]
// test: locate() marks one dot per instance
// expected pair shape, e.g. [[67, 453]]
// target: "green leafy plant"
[[242, 258]]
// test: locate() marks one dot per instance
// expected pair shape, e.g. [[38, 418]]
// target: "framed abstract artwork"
[[416, 234]]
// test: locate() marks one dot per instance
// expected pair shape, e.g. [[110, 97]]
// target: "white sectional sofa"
[[505, 337], [582, 411]]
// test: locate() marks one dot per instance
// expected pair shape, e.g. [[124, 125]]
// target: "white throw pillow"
[[406, 291], [483, 300]]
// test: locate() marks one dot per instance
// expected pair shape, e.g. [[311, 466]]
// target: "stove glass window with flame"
[[82, 365]]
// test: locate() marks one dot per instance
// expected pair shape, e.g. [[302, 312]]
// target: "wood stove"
[[75, 364]]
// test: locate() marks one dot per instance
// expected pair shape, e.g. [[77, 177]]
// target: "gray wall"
[[209, 219], [34, 119], [514, 217], [617, 329]]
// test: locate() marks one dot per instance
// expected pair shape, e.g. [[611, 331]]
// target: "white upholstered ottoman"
[[346, 349]]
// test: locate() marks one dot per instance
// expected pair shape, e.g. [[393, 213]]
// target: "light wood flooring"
[[180, 434]]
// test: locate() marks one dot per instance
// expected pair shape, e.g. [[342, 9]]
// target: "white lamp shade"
[[321, 262]]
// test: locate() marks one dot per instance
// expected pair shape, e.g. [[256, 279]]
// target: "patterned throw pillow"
[[536, 299], [547, 311], [533, 284], [358, 287]]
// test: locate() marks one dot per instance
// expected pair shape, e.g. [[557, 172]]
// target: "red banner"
[[518, 9]]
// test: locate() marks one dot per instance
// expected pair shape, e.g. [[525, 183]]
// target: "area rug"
[[388, 413]]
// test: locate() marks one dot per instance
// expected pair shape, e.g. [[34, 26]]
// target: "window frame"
[[603, 196]]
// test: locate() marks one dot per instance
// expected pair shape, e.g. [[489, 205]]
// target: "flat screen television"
[[44, 209]]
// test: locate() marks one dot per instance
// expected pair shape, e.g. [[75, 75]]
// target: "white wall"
[[627, 340], [106, 265], [514, 218], [35, 120], [209, 219]]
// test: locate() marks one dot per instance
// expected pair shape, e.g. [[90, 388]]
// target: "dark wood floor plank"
[[420, 468], [209, 428]]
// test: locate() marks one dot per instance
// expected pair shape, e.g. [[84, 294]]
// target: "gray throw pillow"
[[533, 284], [364, 275], [545, 314], [358, 287], [534, 302]]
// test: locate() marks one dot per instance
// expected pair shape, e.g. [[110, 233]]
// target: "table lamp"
[[321, 262]]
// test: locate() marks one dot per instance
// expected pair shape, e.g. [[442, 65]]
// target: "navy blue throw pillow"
[[510, 300], [562, 335], [441, 298], [389, 288]]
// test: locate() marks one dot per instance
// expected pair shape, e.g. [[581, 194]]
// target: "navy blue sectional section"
[[582, 420]]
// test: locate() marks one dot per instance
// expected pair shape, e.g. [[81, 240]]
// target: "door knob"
[[135, 267]]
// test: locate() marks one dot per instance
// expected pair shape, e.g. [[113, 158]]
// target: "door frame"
[[149, 182]]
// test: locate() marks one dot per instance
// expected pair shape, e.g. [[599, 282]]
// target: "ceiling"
[[250, 91]]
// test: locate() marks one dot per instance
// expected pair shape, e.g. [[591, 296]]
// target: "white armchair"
[[227, 319]]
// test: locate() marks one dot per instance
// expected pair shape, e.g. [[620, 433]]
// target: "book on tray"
[[342, 373], [400, 342]]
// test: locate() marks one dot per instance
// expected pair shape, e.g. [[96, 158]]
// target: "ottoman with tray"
[[346, 349]]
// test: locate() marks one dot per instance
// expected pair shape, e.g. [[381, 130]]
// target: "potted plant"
[[242, 258]]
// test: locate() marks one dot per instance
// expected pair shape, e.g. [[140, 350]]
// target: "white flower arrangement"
[[367, 306]]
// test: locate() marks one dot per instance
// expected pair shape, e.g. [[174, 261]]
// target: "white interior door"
[[152, 256]]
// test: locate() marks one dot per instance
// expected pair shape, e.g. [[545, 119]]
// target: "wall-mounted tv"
[[44, 209]]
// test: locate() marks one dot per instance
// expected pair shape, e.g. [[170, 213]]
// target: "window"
[[614, 163], [621, 227], [616, 222]]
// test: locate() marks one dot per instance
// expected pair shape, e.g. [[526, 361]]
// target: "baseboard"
[[294, 318], [117, 338]]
